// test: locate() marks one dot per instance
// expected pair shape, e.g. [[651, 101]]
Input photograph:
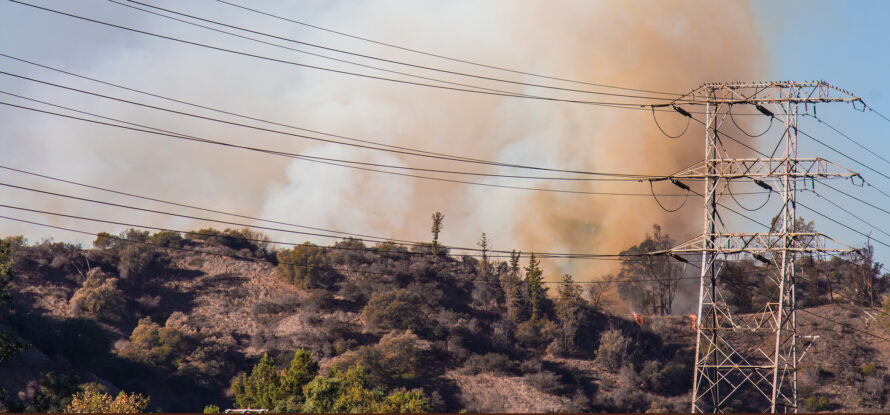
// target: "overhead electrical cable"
[[312, 131], [455, 248], [445, 57], [870, 108], [867, 223], [806, 311], [839, 132], [611, 104], [220, 111], [322, 160], [315, 54], [429, 68], [621, 177], [354, 236], [738, 127], [324, 140], [871, 238], [856, 198], [844, 154], [255, 259]]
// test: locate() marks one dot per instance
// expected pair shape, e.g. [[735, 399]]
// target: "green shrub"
[[393, 362], [817, 403], [303, 266], [150, 343], [55, 393], [6, 265], [98, 298], [168, 239], [92, 401], [395, 309], [266, 388], [351, 392], [489, 363], [612, 351], [320, 300], [546, 381], [869, 369], [537, 333], [211, 409], [9, 346]]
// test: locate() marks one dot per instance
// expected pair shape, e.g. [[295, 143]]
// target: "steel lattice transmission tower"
[[753, 357]]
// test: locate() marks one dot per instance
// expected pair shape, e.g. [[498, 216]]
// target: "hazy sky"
[[671, 46]]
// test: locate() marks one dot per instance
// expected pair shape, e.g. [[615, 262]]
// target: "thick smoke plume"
[[666, 46]]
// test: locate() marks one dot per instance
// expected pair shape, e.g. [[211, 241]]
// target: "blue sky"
[[845, 44]]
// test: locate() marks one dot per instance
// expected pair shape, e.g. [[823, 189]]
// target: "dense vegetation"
[[385, 327]]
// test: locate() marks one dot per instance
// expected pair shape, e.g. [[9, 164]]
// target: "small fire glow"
[[638, 319]]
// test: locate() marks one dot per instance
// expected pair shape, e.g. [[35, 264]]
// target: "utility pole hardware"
[[753, 357]]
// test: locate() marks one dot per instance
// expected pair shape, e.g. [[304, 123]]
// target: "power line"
[[857, 199], [611, 104], [255, 259], [732, 138], [842, 324], [337, 162], [844, 154], [302, 129], [429, 68], [156, 131], [110, 222], [848, 138], [248, 117], [403, 152], [193, 206], [842, 224], [867, 223], [870, 108], [749, 286], [312, 53], [444, 57]]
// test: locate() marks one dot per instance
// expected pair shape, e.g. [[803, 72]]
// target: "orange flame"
[[694, 320], [638, 319]]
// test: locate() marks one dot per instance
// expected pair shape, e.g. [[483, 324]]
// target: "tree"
[[351, 392], [303, 368], [267, 389], [394, 309], [303, 265], [262, 389], [569, 304], [98, 298], [435, 229], [483, 243], [93, 401], [534, 278], [55, 393], [863, 275], [598, 290], [150, 343], [393, 362], [5, 268], [612, 351], [517, 299], [9, 345], [652, 281]]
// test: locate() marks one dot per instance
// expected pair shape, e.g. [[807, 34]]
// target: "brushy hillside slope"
[[177, 319]]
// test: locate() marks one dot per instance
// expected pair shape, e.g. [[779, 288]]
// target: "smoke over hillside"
[[663, 46]]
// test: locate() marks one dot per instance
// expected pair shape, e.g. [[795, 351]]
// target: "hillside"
[[179, 319]]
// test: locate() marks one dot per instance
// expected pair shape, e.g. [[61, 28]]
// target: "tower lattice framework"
[[753, 357]]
